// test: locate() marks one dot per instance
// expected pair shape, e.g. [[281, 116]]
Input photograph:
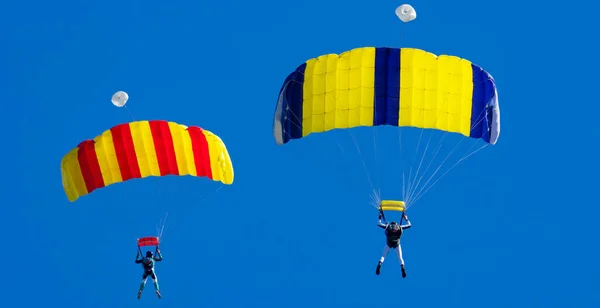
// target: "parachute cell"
[[141, 149], [406, 13], [120, 98], [387, 86]]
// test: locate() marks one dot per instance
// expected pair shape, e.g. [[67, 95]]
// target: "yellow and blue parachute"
[[397, 87], [371, 86]]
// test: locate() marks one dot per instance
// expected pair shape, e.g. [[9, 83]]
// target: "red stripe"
[[90, 168], [201, 154], [125, 151], [165, 150]]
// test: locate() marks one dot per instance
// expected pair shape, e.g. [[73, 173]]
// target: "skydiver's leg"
[[399, 253], [144, 278], [142, 285], [386, 250], [155, 280]]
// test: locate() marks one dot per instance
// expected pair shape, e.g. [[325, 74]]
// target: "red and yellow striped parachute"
[[141, 149]]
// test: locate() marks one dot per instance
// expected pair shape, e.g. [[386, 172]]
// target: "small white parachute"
[[120, 98], [406, 13]]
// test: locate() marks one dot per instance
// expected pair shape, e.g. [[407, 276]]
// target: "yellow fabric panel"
[[183, 149], [144, 148], [107, 158], [220, 162], [72, 179], [392, 205], [338, 91], [435, 92]]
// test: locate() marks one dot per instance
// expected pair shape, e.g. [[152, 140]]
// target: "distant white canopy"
[[120, 98], [406, 13]]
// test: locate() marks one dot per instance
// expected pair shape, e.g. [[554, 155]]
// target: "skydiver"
[[393, 232], [148, 265]]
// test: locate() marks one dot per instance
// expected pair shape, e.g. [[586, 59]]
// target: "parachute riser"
[[383, 216], [155, 250]]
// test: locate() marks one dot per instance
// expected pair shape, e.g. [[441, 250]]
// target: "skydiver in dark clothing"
[[148, 265], [393, 232]]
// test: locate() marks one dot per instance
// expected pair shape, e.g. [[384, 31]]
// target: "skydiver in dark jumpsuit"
[[393, 232], [148, 265]]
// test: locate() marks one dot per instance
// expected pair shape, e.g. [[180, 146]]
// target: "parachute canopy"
[[141, 149], [148, 241], [392, 205], [120, 98], [371, 86], [406, 13]]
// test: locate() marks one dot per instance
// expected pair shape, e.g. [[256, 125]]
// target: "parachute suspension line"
[[409, 202], [340, 147], [403, 186], [469, 150], [376, 199], [455, 164], [376, 194], [437, 150], [415, 186], [339, 144], [402, 164], [337, 139], [300, 128], [480, 118], [160, 228], [422, 157], [409, 187], [214, 192], [363, 161], [377, 166], [297, 126], [131, 115], [436, 170], [290, 110]]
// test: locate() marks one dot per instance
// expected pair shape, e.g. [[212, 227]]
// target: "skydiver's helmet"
[[394, 226], [148, 254]]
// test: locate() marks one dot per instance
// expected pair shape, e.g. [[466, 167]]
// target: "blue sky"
[[513, 225]]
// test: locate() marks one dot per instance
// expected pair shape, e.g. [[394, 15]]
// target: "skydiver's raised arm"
[[137, 258], [407, 225], [158, 256], [381, 222]]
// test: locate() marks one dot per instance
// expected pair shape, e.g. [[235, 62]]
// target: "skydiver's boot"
[[158, 294], [139, 294], [378, 270], [403, 272]]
